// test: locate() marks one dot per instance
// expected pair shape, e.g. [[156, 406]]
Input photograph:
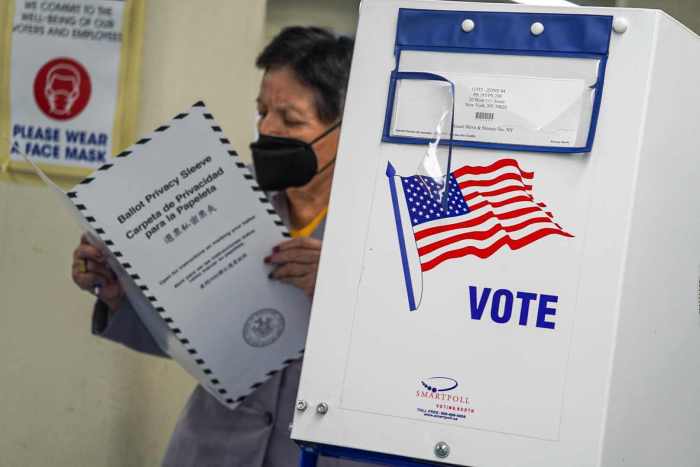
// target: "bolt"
[[536, 29], [468, 25], [620, 25], [442, 449], [301, 405], [322, 408]]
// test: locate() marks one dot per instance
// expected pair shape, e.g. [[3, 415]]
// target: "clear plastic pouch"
[[512, 89], [500, 99]]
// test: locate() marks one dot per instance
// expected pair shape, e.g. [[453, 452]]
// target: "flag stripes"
[[499, 210]]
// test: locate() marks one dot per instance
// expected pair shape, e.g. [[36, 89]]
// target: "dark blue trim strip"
[[310, 453], [525, 53], [475, 144], [389, 111], [309, 457], [597, 102], [421, 75], [504, 31], [390, 175]]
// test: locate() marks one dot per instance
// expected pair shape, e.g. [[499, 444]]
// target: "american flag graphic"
[[487, 208]]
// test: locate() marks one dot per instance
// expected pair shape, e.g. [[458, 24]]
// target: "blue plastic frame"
[[568, 35], [310, 452]]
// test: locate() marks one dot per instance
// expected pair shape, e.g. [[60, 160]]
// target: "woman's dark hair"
[[319, 59]]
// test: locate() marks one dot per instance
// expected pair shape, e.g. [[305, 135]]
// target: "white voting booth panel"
[[549, 316]]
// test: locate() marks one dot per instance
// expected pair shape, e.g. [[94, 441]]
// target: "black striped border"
[[271, 373], [235, 400], [169, 321], [103, 168], [180, 336], [276, 219], [128, 152]]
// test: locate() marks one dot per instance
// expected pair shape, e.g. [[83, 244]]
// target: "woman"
[[300, 105]]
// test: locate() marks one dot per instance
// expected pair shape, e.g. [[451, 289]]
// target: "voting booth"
[[510, 273]]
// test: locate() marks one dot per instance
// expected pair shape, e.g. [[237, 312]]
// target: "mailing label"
[[500, 109]]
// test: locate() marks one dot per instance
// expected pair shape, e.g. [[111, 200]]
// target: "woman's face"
[[286, 108]]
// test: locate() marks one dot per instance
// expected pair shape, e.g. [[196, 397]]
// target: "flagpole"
[[391, 175]]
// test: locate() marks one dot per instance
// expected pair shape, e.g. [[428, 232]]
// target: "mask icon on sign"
[[62, 88]]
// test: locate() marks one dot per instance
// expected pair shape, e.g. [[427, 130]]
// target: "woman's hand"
[[90, 272], [296, 263]]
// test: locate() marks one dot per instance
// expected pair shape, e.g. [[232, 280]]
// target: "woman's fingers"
[[85, 251], [297, 255], [90, 272], [89, 280], [297, 263], [89, 267], [83, 267], [289, 270], [299, 250], [107, 289], [299, 242]]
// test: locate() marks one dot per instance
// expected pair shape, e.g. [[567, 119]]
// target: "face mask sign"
[[285, 162]]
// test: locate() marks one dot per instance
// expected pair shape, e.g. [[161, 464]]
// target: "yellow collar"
[[311, 226]]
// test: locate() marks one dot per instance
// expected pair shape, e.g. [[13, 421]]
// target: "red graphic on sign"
[[62, 88]]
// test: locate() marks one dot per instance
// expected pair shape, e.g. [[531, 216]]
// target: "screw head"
[[536, 29], [442, 450], [468, 25], [620, 25], [301, 405], [322, 408]]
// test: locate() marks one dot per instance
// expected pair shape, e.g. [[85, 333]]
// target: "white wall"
[[67, 398]]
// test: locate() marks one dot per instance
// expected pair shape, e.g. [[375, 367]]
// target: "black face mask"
[[285, 162]]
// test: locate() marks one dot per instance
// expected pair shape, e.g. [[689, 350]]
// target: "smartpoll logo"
[[440, 388], [439, 399], [439, 384]]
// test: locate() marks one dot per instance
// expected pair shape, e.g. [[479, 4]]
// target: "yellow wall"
[[685, 11], [67, 398], [339, 15]]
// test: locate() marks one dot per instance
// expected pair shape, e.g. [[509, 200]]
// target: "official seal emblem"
[[263, 327]]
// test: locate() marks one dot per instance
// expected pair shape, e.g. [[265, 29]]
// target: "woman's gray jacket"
[[255, 434]]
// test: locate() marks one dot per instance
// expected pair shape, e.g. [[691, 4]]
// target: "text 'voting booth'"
[[510, 268]]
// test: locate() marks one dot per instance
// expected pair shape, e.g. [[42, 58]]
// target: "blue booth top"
[[502, 31]]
